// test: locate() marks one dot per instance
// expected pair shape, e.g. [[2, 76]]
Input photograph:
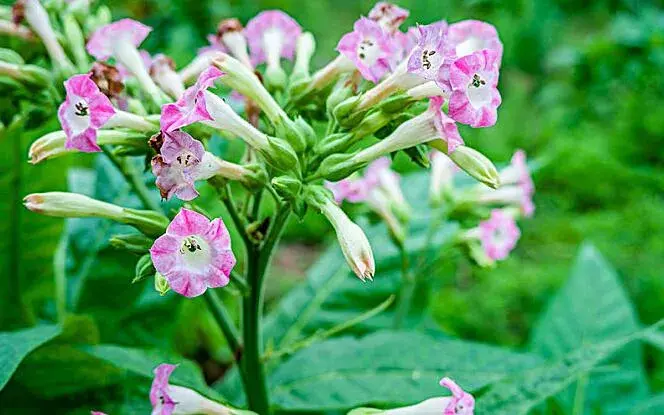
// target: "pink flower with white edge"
[[369, 48], [85, 110], [354, 190], [469, 36], [462, 403], [428, 54], [194, 254], [446, 127], [389, 16], [499, 234], [475, 97], [190, 107], [162, 402], [176, 166], [272, 35]]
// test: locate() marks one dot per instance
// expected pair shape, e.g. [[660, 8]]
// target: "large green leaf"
[[518, 395], [15, 346], [387, 368], [28, 239], [593, 307]]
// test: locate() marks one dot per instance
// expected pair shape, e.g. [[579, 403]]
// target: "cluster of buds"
[[388, 92]]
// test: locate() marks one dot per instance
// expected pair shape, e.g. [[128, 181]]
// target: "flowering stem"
[[134, 180], [252, 308], [407, 290]]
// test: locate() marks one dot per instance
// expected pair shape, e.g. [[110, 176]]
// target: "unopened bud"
[[339, 166], [345, 107], [52, 145], [289, 130], [275, 78], [339, 94], [476, 165], [76, 40], [334, 143], [281, 155], [144, 269], [288, 187], [134, 242], [306, 131], [396, 103], [161, 284], [73, 205]]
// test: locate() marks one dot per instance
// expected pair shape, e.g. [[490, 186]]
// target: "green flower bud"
[[334, 143], [281, 155], [10, 56], [133, 242], [288, 187], [144, 268], [306, 131], [345, 107], [339, 166], [161, 284], [275, 78], [287, 129], [338, 95], [395, 103], [476, 164], [76, 41]]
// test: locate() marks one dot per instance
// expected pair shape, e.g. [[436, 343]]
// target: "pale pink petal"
[[102, 40], [187, 222]]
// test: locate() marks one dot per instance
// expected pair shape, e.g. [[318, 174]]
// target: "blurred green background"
[[583, 92]]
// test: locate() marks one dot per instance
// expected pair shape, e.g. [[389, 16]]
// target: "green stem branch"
[[134, 179]]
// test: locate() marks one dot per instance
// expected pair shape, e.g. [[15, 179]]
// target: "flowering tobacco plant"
[[312, 141]]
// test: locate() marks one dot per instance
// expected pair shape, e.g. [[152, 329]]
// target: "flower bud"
[[304, 50], [306, 131], [345, 107], [288, 187], [144, 269], [161, 284], [76, 40], [275, 78], [73, 205], [288, 129], [339, 166], [134, 242], [281, 155], [52, 145], [354, 243], [395, 103], [339, 94], [475, 164], [334, 143], [26, 73]]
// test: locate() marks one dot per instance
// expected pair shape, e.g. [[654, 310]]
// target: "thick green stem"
[[252, 309], [407, 290], [134, 179]]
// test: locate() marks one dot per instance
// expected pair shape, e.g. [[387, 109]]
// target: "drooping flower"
[[469, 36], [498, 234], [84, 111], [162, 70], [379, 174], [369, 48], [389, 16], [194, 253], [475, 97], [353, 189], [176, 165], [190, 107], [518, 172], [428, 55], [272, 35], [162, 402], [461, 403]]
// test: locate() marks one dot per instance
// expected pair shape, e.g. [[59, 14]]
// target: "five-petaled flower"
[[469, 36], [84, 111], [176, 165], [499, 234], [475, 97], [428, 55], [272, 35], [369, 48], [194, 253]]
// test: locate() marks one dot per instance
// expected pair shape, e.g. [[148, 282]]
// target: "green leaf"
[[387, 368], [651, 406], [519, 394], [16, 345], [590, 308], [28, 239]]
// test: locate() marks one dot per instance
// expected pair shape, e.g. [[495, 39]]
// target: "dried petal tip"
[[107, 78]]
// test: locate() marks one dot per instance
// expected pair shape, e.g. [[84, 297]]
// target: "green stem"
[[252, 309], [240, 224], [407, 290], [134, 179]]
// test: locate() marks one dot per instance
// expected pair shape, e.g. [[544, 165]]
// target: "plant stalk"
[[407, 290]]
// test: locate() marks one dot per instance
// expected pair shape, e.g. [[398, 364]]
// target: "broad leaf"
[[15, 346], [387, 368], [593, 307]]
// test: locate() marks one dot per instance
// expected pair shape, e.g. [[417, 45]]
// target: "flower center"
[[186, 159], [195, 252], [499, 239], [469, 46], [479, 92], [79, 115], [368, 51]]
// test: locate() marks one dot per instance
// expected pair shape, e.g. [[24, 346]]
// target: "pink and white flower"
[[194, 254], [498, 234], [176, 166], [272, 35], [162, 402], [428, 55], [469, 36], [442, 175], [190, 107], [445, 126], [369, 48], [462, 403], [389, 16], [353, 189], [475, 97], [85, 110]]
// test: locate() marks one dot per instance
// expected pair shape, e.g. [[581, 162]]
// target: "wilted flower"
[[194, 254], [469, 36], [369, 48], [389, 16], [84, 111], [107, 78], [498, 234], [475, 97]]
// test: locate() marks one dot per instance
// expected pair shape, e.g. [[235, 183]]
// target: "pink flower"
[[446, 127], [102, 45], [272, 34], [177, 164], [499, 234], [194, 254], [475, 98], [190, 107], [85, 110], [469, 36], [354, 190], [462, 403], [428, 54], [369, 48], [389, 16], [97, 413], [518, 173], [162, 403]]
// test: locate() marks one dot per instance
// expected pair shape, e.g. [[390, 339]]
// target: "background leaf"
[[15, 346]]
